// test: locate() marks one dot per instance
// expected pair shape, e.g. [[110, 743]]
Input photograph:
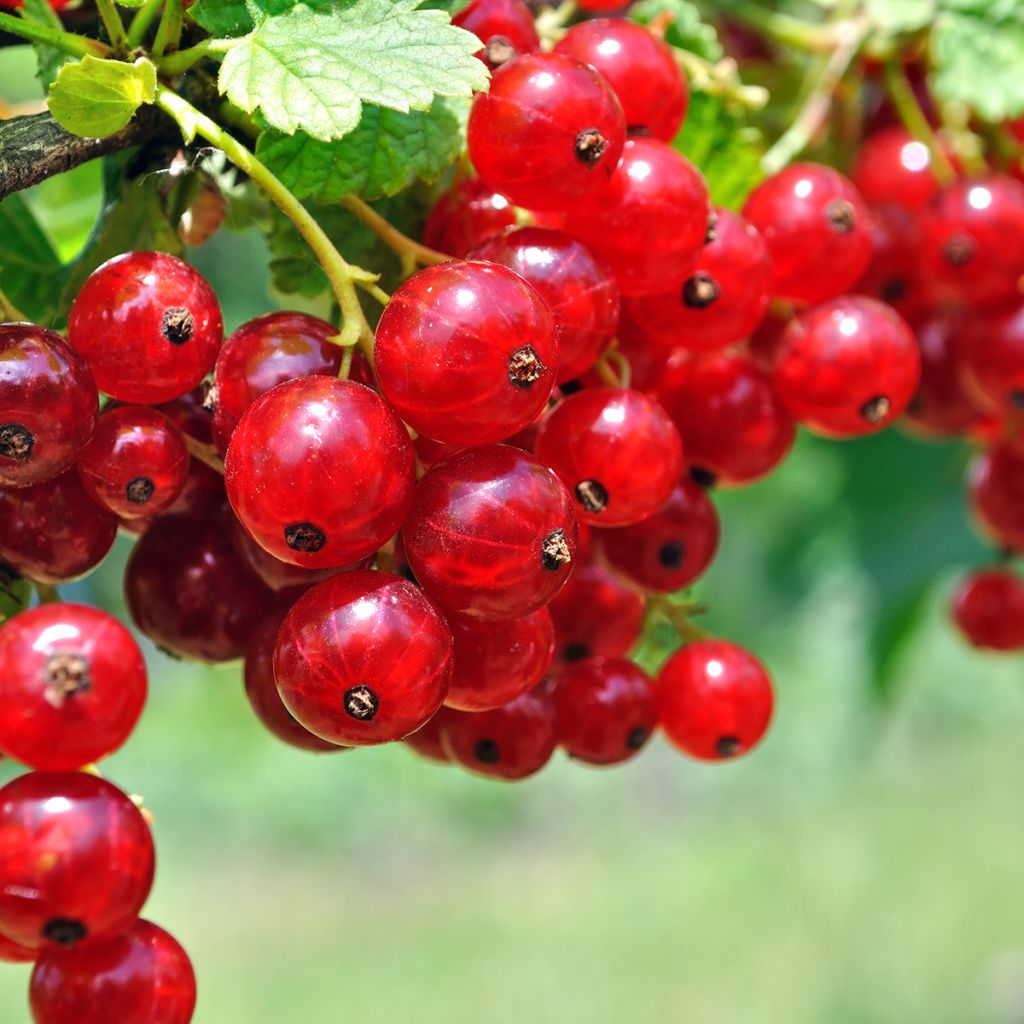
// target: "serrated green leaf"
[[310, 71], [48, 58], [28, 263], [894, 17], [229, 18], [94, 97], [685, 28]]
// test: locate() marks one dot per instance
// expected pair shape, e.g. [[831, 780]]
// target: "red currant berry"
[[733, 426], [548, 131], [189, 413], [362, 658], [190, 593], [604, 710], [714, 700], [617, 451], [991, 358], [510, 743], [426, 740], [505, 27], [76, 859], [491, 534], [640, 67], [973, 239], [495, 662], [48, 405], [996, 489], [141, 977], [600, 6], [817, 228], [11, 952], [203, 494], [847, 367], [320, 472], [466, 352], [988, 608], [72, 686], [263, 353], [891, 166], [578, 288], [54, 532], [651, 220], [467, 216], [148, 325]]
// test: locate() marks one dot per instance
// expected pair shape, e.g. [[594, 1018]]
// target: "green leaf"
[[15, 593], [312, 71], [94, 97], [232, 18], [28, 263], [381, 157], [893, 17], [49, 59], [895, 626], [685, 30], [723, 146]]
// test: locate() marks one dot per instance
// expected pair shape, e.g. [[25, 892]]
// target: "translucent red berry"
[[76, 859], [467, 216], [891, 166], [491, 534], [714, 700], [148, 325], [996, 491], [426, 740], [48, 405], [991, 359], [140, 977], [466, 352], [11, 952], [505, 27], [988, 608], [548, 131], [616, 450], [189, 413], [320, 472], [72, 686], [362, 658]]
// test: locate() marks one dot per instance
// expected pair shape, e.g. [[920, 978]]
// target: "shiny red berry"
[[72, 686], [48, 405], [616, 450], [190, 414], [996, 492], [817, 228], [320, 472], [76, 859], [467, 216], [714, 700], [148, 325], [891, 166], [140, 977], [491, 534], [203, 494], [426, 740], [650, 222], [847, 367], [12, 953], [466, 352], [548, 131], [988, 608], [991, 360], [363, 658], [505, 27]]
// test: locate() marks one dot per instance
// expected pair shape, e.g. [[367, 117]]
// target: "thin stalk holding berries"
[[901, 92], [168, 33], [9, 312], [68, 42], [144, 17], [111, 19], [402, 245]]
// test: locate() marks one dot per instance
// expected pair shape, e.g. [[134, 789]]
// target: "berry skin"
[[505, 27], [148, 325], [320, 472], [578, 289], [650, 222], [76, 860], [263, 353], [12, 953], [492, 533], [891, 166], [466, 352], [616, 450], [996, 493], [141, 977], [509, 743], [991, 360], [594, 616], [548, 131], [426, 740], [466, 217], [495, 662], [136, 463], [604, 710], [363, 658], [848, 367], [72, 686], [988, 608], [817, 228], [669, 549], [973, 239], [639, 66], [189, 414], [714, 700], [725, 297], [731, 421], [48, 405], [54, 532]]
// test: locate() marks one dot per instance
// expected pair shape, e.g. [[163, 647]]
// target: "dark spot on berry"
[[575, 651], [712, 232], [728, 746], [486, 751], [703, 477], [570, 387], [700, 291], [554, 552], [874, 410], [638, 131], [178, 325], [139, 490], [67, 673], [524, 367], [590, 146], [841, 216], [16, 442], [304, 537], [361, 703], [592, 495], [672, 554], [958, 251], [1016, 399], [893, 290], [637, 737], [64, 931], [499, 50]]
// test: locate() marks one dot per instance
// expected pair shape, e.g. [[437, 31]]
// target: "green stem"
[[376, 291], [341, 274], [179, 62], [141, 22], [346, 362], [111, 19], [783, 28], [603, 368], [401, 244], [168, 34], [901, 92], [9, 312], [679, 616], [77, 46], [47, 594]]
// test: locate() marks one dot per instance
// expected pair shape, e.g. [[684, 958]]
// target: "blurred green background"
[[862, 867]]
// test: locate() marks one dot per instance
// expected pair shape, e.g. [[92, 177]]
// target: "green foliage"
[[94, 97], [28, 263], [235, 17], [49, 59], [893, 17], [312, 71], [686, 29], [15, 593], [894, 628]]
